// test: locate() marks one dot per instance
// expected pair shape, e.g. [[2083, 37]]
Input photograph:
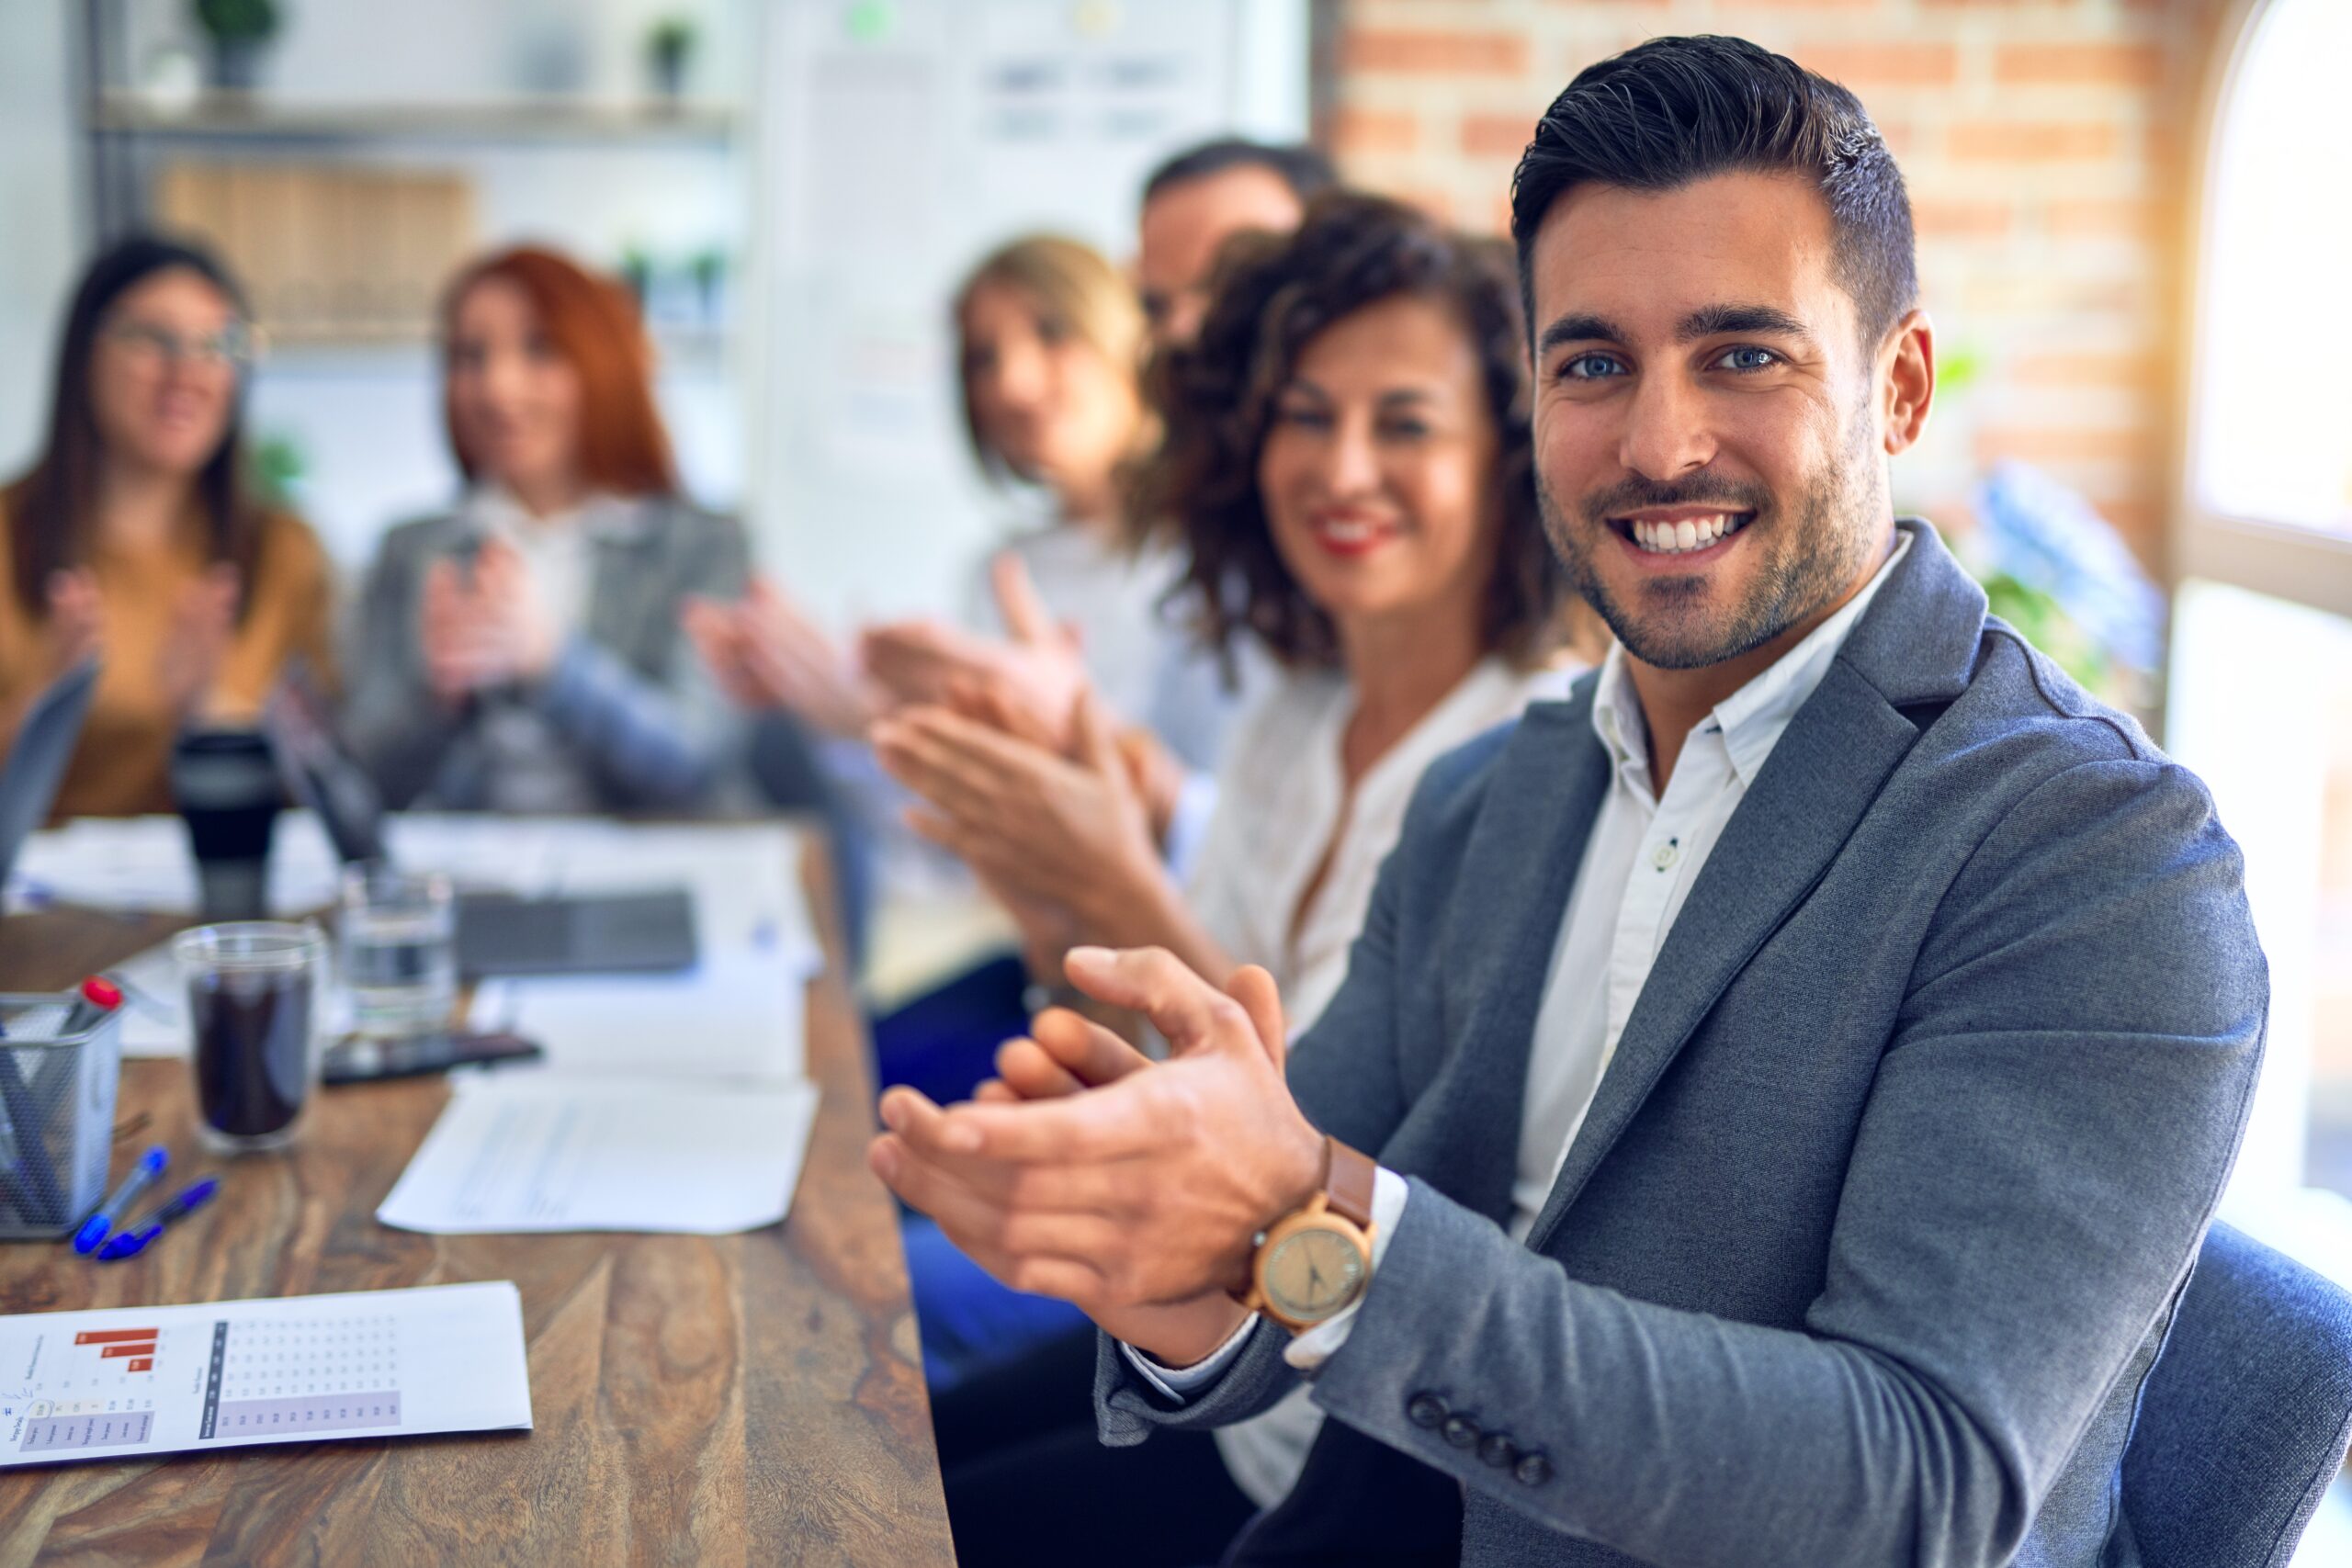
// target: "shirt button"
[[1666, 855], [1425, 1410], [1498, 1451], [1461, 1431], [1533, 1470]]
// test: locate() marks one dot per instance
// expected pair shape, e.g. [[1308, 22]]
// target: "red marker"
[[99, 998]]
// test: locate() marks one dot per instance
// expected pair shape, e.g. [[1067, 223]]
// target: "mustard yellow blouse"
[[120, 768]]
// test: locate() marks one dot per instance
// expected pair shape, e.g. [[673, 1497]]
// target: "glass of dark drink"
[[255, 991]]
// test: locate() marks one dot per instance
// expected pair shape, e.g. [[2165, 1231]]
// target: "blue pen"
[[94, 1229], [135, 1239]]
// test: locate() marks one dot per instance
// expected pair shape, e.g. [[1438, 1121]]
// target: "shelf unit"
[[598, 172], [233, 116]]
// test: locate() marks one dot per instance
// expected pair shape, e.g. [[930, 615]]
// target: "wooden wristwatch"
[[1314, 1263]]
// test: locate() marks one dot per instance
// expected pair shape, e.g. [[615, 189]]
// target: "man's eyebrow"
[[1578, 328], [1714, 320]]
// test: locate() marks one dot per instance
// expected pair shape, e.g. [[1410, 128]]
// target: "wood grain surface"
[[739, 1399]]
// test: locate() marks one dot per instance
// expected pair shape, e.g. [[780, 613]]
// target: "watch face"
[[1312, 1274]]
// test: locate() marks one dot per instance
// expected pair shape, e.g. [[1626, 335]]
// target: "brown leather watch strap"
[[1348, 1183]]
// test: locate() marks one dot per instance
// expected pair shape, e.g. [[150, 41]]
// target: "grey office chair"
[[2247, 1415]]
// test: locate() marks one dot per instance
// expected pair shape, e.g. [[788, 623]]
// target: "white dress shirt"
[[531, 770], [1643, 853]]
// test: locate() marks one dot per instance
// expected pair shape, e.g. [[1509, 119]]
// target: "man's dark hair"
[[1306, 172], [1675, 110]]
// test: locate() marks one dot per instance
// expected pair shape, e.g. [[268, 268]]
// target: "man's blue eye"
[[1750, 357], [1589, 366]]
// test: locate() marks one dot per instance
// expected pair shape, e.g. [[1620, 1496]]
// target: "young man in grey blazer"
[[1799, 1066]]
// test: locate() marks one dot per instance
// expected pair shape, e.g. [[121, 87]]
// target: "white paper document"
[[141, 864], [552, 1152], [130, 1383], [734, 1015]]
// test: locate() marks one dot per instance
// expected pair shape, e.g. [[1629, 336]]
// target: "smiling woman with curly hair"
[[1222, 403], [1347, 465]]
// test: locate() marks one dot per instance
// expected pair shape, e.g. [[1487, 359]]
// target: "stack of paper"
[[664, 1102], [529, 1152]]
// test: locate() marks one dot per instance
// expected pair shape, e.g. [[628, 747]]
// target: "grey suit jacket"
[[1880, 1213], [630, 717]]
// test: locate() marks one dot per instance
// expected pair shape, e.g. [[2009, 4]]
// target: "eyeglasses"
[[234, 346]]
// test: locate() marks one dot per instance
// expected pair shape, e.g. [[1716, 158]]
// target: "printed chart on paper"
[[126, 1382]]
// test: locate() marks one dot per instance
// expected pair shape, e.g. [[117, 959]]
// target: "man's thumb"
[[1259, 997]]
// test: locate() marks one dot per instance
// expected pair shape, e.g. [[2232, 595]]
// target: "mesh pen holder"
[[57, 1099]]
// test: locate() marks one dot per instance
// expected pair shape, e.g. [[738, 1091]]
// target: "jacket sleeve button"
[[1425, 1410], [1461, 1431], [1498, 1451], [1533, 1470]]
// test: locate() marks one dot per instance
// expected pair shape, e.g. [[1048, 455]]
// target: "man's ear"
[[1907, 380]]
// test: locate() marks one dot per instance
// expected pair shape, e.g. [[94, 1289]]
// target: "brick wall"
[[2046, 144]]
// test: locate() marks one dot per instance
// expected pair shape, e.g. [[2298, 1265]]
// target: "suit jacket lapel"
[[1516, 877], [1912, 644], [622, 587]]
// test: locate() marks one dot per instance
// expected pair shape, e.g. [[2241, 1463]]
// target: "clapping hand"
[[1137, 1195], [203, 620], [1068, 830], [765, 653], [486, 627], [1034, 675], [74, 628]]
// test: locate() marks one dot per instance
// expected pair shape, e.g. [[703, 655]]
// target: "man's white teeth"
[[1690, 533]]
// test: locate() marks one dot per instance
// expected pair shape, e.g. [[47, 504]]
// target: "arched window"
[[2267, 502], [2260, 698]]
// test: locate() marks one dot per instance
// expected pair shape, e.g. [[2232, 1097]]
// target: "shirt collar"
[[1751, 719]]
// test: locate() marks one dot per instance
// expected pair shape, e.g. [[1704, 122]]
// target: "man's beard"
[[1811, 552]]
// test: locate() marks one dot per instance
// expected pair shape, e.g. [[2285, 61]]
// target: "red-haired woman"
[[522, 653]]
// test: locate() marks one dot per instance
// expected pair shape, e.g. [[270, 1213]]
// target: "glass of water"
[[400, 960]]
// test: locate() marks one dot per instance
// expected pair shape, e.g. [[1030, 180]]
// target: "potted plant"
[[709, 268], [239, 30], [667, 49]]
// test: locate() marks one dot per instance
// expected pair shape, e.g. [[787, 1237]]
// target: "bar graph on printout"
[[112, 1384]]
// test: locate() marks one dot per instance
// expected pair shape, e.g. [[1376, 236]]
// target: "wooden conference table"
[[754, 1398]]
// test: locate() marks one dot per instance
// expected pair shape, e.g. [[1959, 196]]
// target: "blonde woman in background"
[[1050, 343]]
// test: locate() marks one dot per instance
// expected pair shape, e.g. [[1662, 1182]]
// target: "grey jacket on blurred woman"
[[627, 720]]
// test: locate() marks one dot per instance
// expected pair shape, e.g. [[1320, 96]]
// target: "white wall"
[[39, 160], [891, 159], [366, 420]]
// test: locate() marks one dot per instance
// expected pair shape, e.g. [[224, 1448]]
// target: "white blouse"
[[1282, 801]]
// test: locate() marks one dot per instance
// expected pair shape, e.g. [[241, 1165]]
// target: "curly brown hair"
[[1217, 398]]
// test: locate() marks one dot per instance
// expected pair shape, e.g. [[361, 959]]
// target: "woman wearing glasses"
[[134, 537]]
